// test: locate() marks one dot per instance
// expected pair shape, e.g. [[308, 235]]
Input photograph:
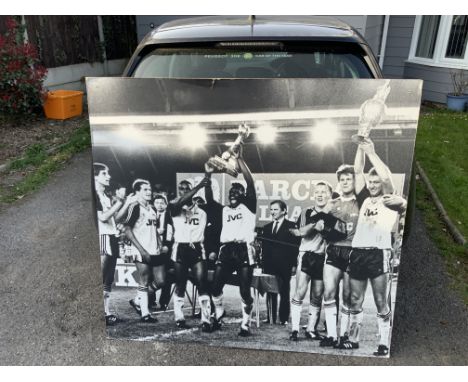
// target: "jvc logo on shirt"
[[192, 221], [371, 213], [234, 217], [152, 222]]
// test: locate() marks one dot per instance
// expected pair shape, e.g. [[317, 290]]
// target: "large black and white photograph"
[[253, 213]]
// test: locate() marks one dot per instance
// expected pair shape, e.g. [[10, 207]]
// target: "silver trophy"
[[371, 113], [227, 162]]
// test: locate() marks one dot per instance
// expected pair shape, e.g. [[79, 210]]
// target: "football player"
[[372, 246], [188, 251], [346, 207], [147, 251], [108, 233], [237, 252], [166, 231], [310, 263]]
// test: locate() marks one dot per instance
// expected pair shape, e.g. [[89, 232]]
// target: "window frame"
[[440, 49]]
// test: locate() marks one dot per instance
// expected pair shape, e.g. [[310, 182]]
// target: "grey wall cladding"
[[400, 31], [437, 81]]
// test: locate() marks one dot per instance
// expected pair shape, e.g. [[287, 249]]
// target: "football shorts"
[[338, 257], [369, 263], [109, 245], [235, 255], [311, 263], [188, 253]]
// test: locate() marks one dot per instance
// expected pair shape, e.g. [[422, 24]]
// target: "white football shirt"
[[375, 224], [142, 220], [189, 225], [107, 227], [238, 224]]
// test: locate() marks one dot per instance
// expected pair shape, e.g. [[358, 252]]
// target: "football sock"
[[143, 300], [204, 301], [106, 302], [344, 321], [246, 311], [330, 317], [383, 321], [219, 307], [314, 317], [178, 306], [296, 310], [355, 323]]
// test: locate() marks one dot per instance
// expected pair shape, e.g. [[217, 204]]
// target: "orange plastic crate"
[[63, 104]]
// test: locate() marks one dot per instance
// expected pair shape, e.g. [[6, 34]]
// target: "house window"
[[456, 47], [440, 41], [427, 36]]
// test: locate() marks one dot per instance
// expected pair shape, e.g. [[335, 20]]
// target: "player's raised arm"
[[380, 167], [359, 162], [208, 189], [178, 203], [251, 195]]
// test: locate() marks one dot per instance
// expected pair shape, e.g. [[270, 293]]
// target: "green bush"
[[21, 74]]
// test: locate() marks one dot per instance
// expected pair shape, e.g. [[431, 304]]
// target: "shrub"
[[21, 74]]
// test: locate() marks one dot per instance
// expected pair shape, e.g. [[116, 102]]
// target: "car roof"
[[249, 28]]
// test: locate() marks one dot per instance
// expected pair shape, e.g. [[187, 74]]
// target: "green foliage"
[[34, 156], [440, 148], [21, 75], [45, 165]]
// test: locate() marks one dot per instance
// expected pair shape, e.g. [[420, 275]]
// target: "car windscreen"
[[216, 63]]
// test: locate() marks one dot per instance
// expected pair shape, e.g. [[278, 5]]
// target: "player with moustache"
[[146, 250], [345, 207], [108, 231], [237, 252], [188, 251], [372, 249], [310, 263]]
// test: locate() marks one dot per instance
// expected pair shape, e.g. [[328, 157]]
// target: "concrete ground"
[[51, 298], [265, 337]]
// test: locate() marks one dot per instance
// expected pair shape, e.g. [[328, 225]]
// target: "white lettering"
[[280, 190], [124, 276], [295, 213], [264, 213], [295, 190], [261, 190]]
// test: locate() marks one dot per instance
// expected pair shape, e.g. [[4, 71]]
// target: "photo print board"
[[245, 213]]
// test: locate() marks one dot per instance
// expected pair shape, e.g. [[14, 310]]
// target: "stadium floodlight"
[[194, 136], [325, 133], [266, 134], [130, 134]]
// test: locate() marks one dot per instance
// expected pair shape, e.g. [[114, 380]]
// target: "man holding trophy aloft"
[[238, 232]]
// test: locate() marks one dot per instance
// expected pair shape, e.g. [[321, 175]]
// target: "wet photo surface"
[[259, 213]]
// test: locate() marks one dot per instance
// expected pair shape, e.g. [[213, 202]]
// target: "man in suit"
[[280, 250], [166, 230]]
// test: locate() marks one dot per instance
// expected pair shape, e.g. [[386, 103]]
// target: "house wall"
[[400, 31], [373, 32], [437, 81]]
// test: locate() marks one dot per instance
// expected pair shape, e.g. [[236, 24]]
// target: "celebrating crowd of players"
[[343, 238]]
